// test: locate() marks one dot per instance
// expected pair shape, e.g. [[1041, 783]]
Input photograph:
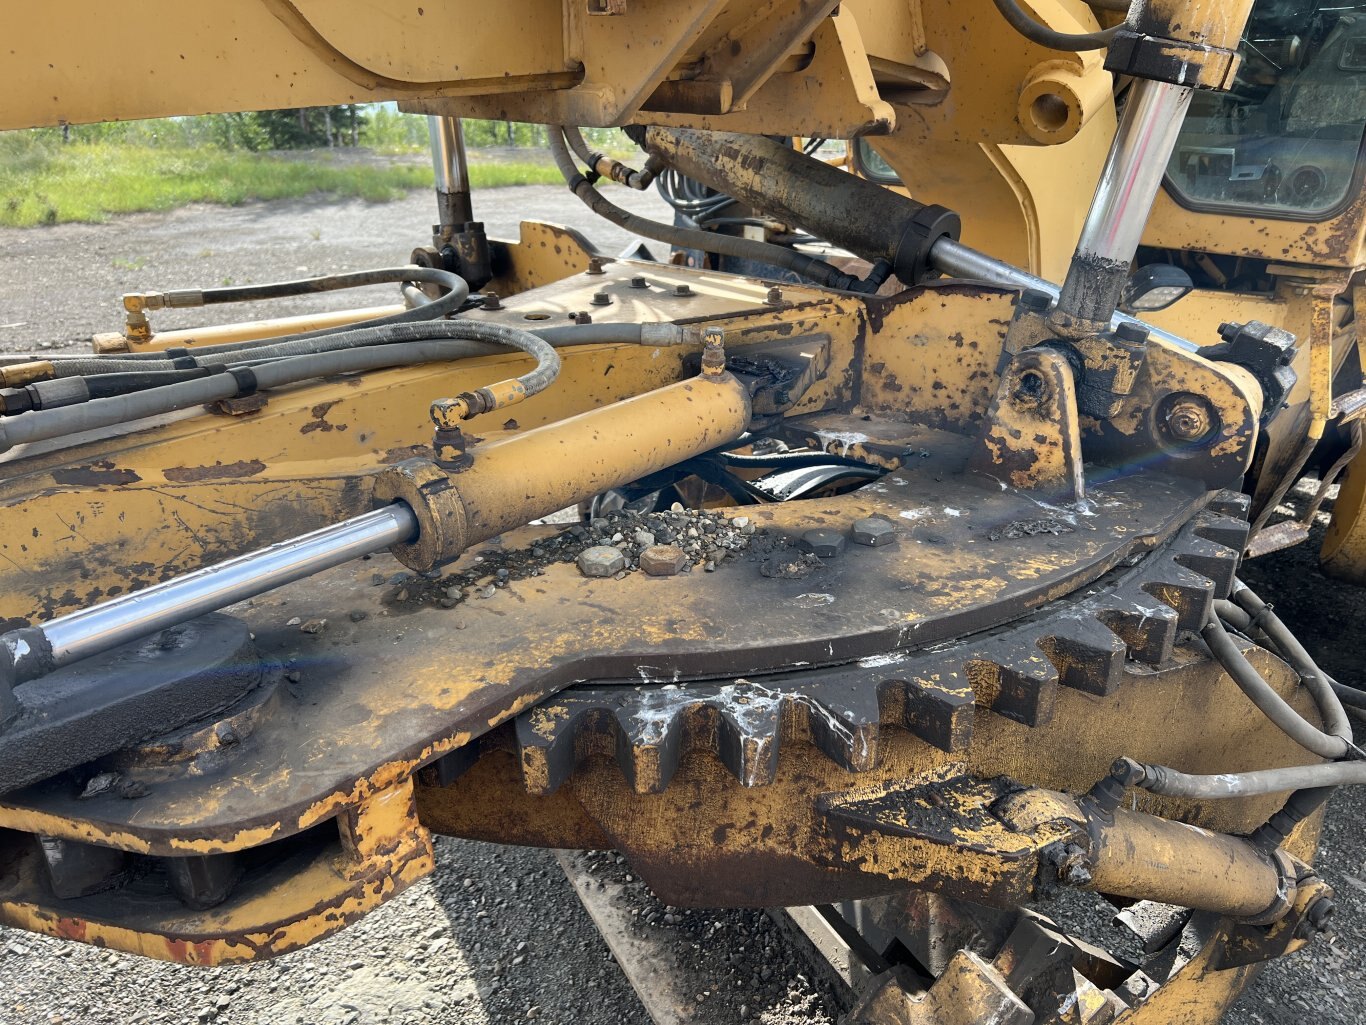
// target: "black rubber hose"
[[1261, 694], [1071, 42], [104, 386], [300, 286], [1160, 779], [1270, 625], [686, 238], [386, 334], [448, 304], [1298, 807], [43, 425]]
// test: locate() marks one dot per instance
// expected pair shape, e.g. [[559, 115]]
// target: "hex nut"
[[873, 531], [663, 560], [824, 543], [601, 561]]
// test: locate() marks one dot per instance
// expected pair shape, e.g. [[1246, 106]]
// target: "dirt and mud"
[[497, 934]]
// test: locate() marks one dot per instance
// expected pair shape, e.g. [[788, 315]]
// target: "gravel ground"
[[497, 934]]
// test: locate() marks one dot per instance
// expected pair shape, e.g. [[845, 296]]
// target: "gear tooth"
[[1229, 531], [547, 741], [649, 737], [1014, 680], [843, 715], [1187, 592], [1145, 625], [1213, 557], [1230, 503], [747, 733], [937, 705], [1088, 655]]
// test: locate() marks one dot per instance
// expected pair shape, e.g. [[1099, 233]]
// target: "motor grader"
[[903, 575]]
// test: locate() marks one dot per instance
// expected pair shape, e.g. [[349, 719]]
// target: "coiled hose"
[[1250, 615]]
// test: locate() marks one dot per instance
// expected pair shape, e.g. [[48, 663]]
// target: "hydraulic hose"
[[1159, 779], [606, 167], [1261, 693], [458, 292], [687, 238], [1270, 625], [462, 339], [285, 289], [1253, 617], [1071, 42]]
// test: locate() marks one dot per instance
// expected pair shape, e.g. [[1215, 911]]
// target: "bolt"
[[1187, 418], [595, 265], [601, 299], [775, 296], [491, 301], [713, 352], [825, 543], [682, 290], [1135, 334], [639, 282], [873, 531], [582, 317], [663, 560], [450, 450], [601, 561]]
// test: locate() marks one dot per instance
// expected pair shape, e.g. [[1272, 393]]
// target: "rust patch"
[[218, 471], [319, 421], [98, 474]]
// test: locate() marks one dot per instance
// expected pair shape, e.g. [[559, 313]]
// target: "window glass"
[[1285, 140], [870, 163]]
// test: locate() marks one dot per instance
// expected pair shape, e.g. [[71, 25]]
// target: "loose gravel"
[[497, 934]]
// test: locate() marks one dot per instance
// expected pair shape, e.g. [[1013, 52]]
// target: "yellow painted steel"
[[575, 459], [244, 331]]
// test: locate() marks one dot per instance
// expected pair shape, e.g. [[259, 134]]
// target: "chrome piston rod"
[[959, 261], [77, 635]]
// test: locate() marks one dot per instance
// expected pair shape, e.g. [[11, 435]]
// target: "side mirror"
[[1154, 287]]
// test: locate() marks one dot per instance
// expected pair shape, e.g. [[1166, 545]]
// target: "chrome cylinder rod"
[[129, 617], [1124, 197], [959, 261], [452, 174]]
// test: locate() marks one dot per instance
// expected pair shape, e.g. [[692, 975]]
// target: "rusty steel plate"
[[379, 692]]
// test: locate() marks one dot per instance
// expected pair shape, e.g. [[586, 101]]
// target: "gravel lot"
[[497, 934]]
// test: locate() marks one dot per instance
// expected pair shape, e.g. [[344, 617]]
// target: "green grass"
[[45, 182]]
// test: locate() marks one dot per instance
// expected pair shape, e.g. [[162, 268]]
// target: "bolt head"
[[775, 296], [1134, 334], [492, 301], [601, 561], [601, 299], [682, 290], [663, 560], [827, 544], [639, 282], [595, 265], [873, 532], [1187, 418]]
